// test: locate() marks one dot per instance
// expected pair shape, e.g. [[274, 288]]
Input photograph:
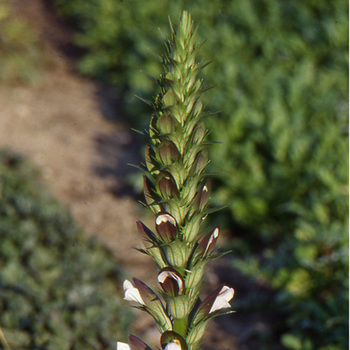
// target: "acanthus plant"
[[177, 190]]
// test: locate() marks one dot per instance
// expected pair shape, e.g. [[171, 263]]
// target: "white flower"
[[123, 346], [222, 299], [131, 294], [173, 346]]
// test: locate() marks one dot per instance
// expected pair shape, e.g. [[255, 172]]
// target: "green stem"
[[180, 326]]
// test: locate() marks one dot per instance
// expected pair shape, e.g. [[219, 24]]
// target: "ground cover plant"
[[21, 53], [281, 74], [58, 289]]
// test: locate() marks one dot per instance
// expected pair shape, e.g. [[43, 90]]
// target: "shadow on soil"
[[120, 149]]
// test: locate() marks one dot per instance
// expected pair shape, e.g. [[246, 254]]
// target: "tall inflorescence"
[[177, 191]]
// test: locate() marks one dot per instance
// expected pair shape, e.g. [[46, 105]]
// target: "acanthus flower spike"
[[177, 191]]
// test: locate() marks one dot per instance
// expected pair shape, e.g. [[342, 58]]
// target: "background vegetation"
[[22, 56], [281, 74], [58, 289]]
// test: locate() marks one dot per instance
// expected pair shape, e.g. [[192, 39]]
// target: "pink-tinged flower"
[[222, 299], [166, 226], [217, 300], [171, 281], [123, 346], [131, 293]]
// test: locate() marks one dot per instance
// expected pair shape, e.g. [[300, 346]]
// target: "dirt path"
[[60, 124]]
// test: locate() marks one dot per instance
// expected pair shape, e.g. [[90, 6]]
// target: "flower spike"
[[177, 191]]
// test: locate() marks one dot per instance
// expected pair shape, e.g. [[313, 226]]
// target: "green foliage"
[[21, 54], [281, 71], [57, 287]]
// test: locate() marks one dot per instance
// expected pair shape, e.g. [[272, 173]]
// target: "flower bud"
[[197, 108], [167, 185], [166, 226], [167, 124], [171, 340], [201, 162], [207, 244], [171, 281], [168, 153], [203, 196], [169, 98], [199, 134]]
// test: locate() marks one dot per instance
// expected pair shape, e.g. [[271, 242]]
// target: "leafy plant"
[[22, 55], [58, 289]]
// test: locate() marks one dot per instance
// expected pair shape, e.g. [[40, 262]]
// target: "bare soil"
[[63, 124]]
